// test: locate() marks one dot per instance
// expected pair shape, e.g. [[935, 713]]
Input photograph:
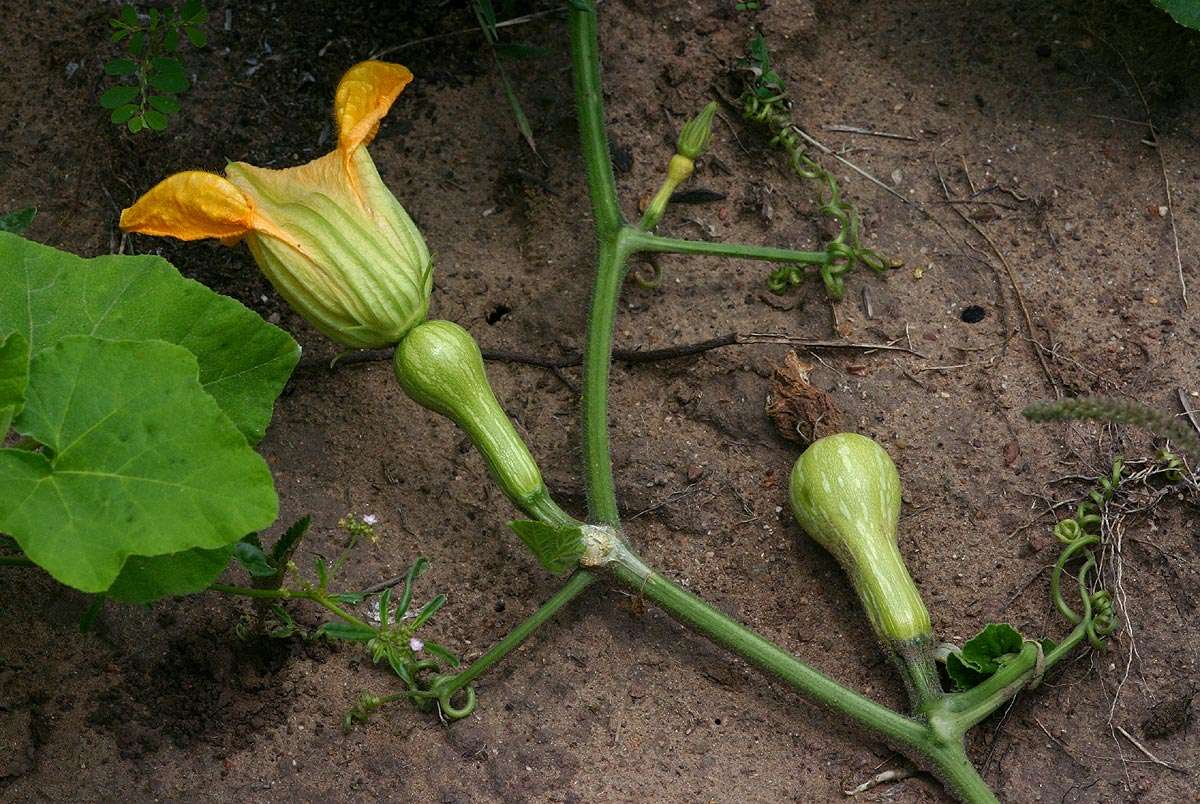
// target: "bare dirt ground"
[[1031, 105]]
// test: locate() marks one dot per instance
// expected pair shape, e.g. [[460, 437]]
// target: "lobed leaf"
[[147, 578], [139, 461], [983, 654], [47, 294], [14, 378]]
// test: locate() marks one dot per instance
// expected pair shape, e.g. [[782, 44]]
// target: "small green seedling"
[[151, 75], [489, 24], [18, 220]]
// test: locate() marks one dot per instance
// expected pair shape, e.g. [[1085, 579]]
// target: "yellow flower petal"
[[363, 97], [191, 205]]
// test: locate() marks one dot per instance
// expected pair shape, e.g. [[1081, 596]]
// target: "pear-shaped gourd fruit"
[[845, 492], [440, 366]]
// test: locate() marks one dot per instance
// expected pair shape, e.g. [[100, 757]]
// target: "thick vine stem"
[[616, 242], [914, 660], [918, 738]]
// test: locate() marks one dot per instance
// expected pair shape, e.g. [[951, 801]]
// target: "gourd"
[[440, 367], [845, 493]]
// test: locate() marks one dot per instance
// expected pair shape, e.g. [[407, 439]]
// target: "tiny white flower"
[[370, 519], [416, 645]]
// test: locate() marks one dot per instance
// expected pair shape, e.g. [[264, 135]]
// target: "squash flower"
[[329, 235]]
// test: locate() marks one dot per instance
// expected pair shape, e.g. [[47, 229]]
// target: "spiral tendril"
[[1078, 535], [845, 250]]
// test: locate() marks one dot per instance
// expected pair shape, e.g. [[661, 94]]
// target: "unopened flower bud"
[[696, 133]]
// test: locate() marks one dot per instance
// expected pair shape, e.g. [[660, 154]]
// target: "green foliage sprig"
[[422, 665], [1098, 408], [152, 42], [765, 102]]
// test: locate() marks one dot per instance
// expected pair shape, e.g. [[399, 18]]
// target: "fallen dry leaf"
[[800, 411]]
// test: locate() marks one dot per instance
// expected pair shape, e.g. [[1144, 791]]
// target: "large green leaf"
[[147, 578], [47, 294], [1185, 12], [139, 460], [14, 376]]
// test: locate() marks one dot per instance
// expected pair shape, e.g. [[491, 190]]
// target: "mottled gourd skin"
[[440, 367], [845, 493]]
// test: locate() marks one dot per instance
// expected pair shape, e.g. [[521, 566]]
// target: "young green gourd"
[[440, 367], [845, 493]]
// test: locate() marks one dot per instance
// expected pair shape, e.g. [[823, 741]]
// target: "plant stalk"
[[644, 241], [314, 595], [616, 241], [574, 586], [913, 737]]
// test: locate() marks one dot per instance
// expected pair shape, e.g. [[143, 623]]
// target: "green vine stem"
[[656, 243], [446, 686], [617, 241], [935, 740], [317, 596]]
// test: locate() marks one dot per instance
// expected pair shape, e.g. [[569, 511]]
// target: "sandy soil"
[[1029, 104]]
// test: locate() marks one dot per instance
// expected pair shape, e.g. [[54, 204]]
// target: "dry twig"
[[624, 355], [1146, 752]]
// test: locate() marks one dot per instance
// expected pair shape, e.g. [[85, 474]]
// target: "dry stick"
[[625, 355], [1188, 411], [1150, 756], [1162, 163], [870, 132], [503, 24], [1119, 119], [1012, 280]]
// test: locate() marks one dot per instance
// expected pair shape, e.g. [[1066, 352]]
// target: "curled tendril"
[[443, 690], [648, 279], [1078, 535], [845, 250]]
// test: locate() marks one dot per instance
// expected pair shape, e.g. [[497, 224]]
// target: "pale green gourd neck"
[[889, 596]]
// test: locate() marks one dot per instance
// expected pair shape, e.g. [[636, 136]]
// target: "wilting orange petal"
[[191, 205], [363, 97]]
